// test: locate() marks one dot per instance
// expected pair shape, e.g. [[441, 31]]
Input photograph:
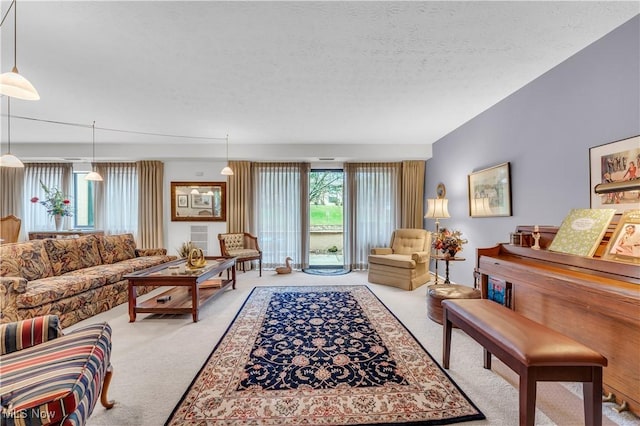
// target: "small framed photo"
[[490, 192], [183, 200], [624, 244], [612, 163]]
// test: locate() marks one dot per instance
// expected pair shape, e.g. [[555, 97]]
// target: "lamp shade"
[[437, 208], [94, 176], [16, 86], [10, 160], [227, 171]]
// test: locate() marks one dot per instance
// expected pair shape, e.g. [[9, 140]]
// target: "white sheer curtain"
[[58, 175], [282, 212], [372, 208], [116, 198]]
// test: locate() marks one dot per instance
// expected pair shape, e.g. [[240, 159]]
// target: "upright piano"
[[592, 300]]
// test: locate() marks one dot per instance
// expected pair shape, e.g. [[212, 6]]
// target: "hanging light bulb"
[[11, 83], [93, 175], [8, 159], [227, 170]]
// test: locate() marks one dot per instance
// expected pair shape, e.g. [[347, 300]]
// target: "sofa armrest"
[[151, 252], [24, 334], [10, 287], [381, 250], [421, 256]]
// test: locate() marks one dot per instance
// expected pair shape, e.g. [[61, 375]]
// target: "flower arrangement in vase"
[[449, 242], [56, 203]]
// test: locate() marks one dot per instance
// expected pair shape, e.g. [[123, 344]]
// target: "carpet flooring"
[[329, 355], [156, 358]]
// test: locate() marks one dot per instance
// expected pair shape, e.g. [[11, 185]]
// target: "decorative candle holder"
[[536, 238]]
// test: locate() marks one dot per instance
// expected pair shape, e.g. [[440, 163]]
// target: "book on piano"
[[581, 231]]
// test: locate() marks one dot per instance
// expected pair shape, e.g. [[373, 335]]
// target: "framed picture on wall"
[[615, 163], [198, 201], [490, 192]]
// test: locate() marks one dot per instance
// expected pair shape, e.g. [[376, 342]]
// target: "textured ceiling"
[[278, 73]]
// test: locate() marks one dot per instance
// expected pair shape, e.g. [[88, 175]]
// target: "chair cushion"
[[241, 253], [396, 260], [233, 242], [19, 335], [407, 241], [45, 383]]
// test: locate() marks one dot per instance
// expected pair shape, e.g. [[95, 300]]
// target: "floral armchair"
[[405, 263]]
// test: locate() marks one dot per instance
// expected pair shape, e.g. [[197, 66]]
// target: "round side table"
[[438, 292]]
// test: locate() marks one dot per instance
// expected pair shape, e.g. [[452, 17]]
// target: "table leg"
[[195, 302], [233, 278], [446, 275], [132, 301]]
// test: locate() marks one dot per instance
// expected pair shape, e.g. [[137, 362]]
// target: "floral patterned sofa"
[[73, 278]]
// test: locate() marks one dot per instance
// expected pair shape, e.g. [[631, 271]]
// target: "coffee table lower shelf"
[[181, 301], [188, 288]]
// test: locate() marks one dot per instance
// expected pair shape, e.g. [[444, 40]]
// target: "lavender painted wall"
[[545, 131]]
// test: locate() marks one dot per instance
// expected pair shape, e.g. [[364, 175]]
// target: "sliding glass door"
[[326, 224]]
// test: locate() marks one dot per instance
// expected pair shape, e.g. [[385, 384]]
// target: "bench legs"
[[592, 395], [528, 398], [590, 376]]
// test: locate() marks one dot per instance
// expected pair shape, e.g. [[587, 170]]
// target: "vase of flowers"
[[448, 242], [57, 204]]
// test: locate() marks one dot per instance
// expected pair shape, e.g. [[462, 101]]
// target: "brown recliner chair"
[[405, 263], [243, 246], [9, 229]]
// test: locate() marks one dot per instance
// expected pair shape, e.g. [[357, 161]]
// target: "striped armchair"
[[49, 377]]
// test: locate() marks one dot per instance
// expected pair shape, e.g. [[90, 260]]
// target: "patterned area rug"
[[329, 355]]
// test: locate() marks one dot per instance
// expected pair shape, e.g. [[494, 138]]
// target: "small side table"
[[447, 259]]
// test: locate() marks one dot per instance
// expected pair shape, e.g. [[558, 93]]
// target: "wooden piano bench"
[[532, 350]]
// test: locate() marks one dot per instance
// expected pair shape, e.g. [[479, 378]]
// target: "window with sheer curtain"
[[372, 208], [53, 175], [281, 211], [117, 198]]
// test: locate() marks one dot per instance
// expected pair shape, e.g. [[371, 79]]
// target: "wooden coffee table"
[[191, 288]]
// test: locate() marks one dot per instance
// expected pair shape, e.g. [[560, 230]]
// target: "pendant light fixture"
[[8, 159], [93, 175], [12, 83], [227, 170]]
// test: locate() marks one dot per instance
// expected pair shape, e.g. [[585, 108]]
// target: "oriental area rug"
[[324, 355]]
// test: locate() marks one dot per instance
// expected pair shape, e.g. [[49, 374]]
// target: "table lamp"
[[437, 208]]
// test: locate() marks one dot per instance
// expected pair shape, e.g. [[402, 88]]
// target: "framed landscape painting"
[[615, 162], [490, 192]]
